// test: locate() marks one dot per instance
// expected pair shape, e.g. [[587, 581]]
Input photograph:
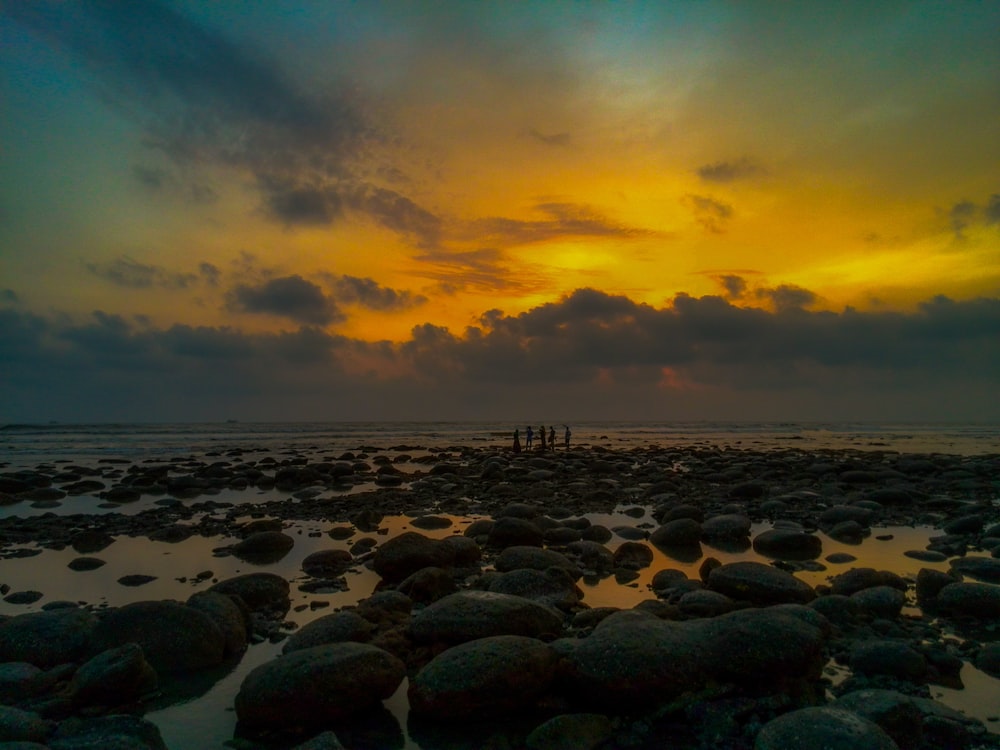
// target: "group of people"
[[529, 438]]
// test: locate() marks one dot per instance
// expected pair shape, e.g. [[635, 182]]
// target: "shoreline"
[[314, 499]]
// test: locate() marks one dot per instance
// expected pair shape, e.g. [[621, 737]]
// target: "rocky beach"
[[466, 596]]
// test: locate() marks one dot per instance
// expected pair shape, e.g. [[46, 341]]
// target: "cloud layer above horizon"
[[387, 210]]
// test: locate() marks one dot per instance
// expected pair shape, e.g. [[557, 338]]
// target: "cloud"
[[368, 293], [992, 210], [562, 220], [708, 212], [289, 297], [735, 286], [130, 273], [554, 139], [730, 171], [587, 355], [788, 297], [966, 213], [9, 296]]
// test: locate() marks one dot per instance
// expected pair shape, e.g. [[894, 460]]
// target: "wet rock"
[[980, 568], [535, 558], [19, 680], [978, 600], [328, 563], [929, 584], [468, 615], [894, 712], [174, 638], [704, 604], [823, 727], [971, 524], [857, 579], [674, 512], [633, 555], [726, 526], [787, 544], [115, 732], [136, 579], [259, 591], [841, 513], [318, 685], [553, 587], [488, 677], [887, 657], [115, 677], [848, 532], [677, 532], [407, 553], [17, 725], [264, 547], [428, 585], [571, 732], [880, 601], [988, 659], [509, 531], [431, 522], [338, 627], [760, 584], [46, 639], [225, 611], [837, 608], [85, 563]]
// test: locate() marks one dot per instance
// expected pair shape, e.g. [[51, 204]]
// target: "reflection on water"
[[179, 570]]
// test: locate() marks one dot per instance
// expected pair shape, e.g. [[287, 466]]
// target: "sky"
[[537, 211]]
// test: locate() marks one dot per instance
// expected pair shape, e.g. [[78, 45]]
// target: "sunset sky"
[[510, 211]]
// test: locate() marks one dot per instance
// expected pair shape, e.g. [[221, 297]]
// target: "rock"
[[333, 628], [553, 587], [633, 555], [115, 732], [46, 639], [174, 638], [886, 657], [677, 533], [467, 552], [136, 579], [488, 677], [115, 677], [838, 514], [535, 558], [85, 563], [328, 563], [591, 556], [19, 680], [988, 659], [894, 712], [322, 741], [264, 547], [787, 544], [857, 579], [22, 726], [468, 615], [675, 512], [848, 532], [823, 728], [431, 522], [318, 685], [428, 585], [884, 602], [979, 600], [231, 619], [509, 531], [571, 732], [259, 591], [91, 541], [407, 553], [837, 608], [704, 604], [929, 583], [971, 524], [596, 533], [985, 569], [635, 663], [760, 584], [726, 526]]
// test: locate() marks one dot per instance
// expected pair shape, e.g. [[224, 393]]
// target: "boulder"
[[856, 579], [327, 563], [979, 600], [259, 591], [883, 602], [428, 585], [114, 732], [571, 732], [174, 638], [19, 680], [47, 639], [760, 584], [633, 555], [553, 587], [886, 657], [726, 526], [985, 569], [823, 728], [226, 612], [318, 685], [509, 531], [678, 532], [468, 615], [488, 677], [894, 712], [264, 547], [407, 553], [535, 558], [115, 677], [17, 725], [788, 544], [333, 628]]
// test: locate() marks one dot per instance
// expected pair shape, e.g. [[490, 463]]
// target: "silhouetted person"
[[552, 438], [541, 436], [528, 438], [566, 437], [517, 441]]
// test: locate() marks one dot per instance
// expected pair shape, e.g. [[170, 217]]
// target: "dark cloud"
[[487, 269], [562, 220], [962, 214], [130, 273], [554, 139], [289, 297], [294, 203], [730, 171], [591, 354], [369, 293], [150, 177], [209, 273], [992, 210], [788, 297], [735, 286], [708, 212], [9, 296]]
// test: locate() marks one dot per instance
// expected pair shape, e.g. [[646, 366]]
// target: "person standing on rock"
[[517, 441], [528, 438], [541, 437], [566, 437], [552, 437]]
